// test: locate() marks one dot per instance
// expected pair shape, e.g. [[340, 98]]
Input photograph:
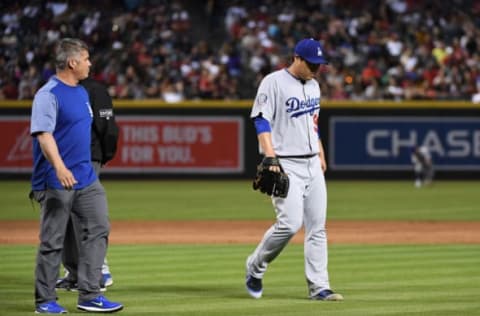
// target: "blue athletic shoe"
[[327, 295], [100, 305], [254, 286], [107, 279], [50, 308]]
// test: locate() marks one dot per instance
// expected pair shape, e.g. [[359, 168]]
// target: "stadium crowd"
[[379, 49]]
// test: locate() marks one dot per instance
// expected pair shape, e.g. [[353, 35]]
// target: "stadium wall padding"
[[363, 140]]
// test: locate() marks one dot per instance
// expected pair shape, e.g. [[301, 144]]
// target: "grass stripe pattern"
[[209, 280]]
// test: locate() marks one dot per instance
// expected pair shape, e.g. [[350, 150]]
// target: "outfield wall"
[[215, 139]]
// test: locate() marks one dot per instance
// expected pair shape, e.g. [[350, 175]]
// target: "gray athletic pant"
[[88, 209], [71, 246], [306, 204]]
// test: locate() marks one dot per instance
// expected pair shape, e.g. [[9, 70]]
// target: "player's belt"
[[299, 156]]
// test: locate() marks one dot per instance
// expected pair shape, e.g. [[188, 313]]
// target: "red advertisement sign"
[[147, 144], [15, 145], [178, 144]]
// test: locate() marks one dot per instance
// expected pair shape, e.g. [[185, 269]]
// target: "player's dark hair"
[[66, 49]]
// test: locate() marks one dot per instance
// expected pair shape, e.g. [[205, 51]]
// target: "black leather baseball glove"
[[270, 182]]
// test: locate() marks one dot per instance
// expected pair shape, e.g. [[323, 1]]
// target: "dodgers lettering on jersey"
[[300, 107], [292, 110]]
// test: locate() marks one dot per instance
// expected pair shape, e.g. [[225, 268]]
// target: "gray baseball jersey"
[[292, 110], [420, 163], [291, 106]]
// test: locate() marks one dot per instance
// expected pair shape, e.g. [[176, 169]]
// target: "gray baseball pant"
[[306, 204], [88, 209], [71, 245]]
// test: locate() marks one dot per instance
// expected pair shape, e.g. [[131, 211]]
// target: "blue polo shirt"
[[65, 112]]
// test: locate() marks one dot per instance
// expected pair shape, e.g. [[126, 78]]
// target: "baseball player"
[[422, 165], [104, 146], [285, 114]]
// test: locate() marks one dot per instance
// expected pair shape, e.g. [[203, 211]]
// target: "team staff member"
[[104, 146], [285, 115], [65, 184]]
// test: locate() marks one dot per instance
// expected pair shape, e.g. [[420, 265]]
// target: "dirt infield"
[[215, 232]]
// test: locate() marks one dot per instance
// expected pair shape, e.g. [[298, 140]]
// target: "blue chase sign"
[[385, 142]]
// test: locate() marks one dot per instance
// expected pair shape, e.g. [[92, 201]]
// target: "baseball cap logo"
[[311, 51]]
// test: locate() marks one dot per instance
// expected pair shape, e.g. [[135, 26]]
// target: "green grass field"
[[207, 200], [435, 280], [208, 280]]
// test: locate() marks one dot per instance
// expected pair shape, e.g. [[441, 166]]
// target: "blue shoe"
[[254, 286], [327, 295], [100, 305], [50, 308], [107, 279]]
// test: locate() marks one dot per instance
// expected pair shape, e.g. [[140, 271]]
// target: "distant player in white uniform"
[[422, 166], [285, 114]]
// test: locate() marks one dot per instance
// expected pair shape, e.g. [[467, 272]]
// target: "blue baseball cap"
[[310, 50]]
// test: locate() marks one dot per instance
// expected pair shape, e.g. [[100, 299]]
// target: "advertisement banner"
[[147, 144], [16, 144], [385, 143], [179, 144]]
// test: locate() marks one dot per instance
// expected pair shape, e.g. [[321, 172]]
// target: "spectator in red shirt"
[[370, 72]]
